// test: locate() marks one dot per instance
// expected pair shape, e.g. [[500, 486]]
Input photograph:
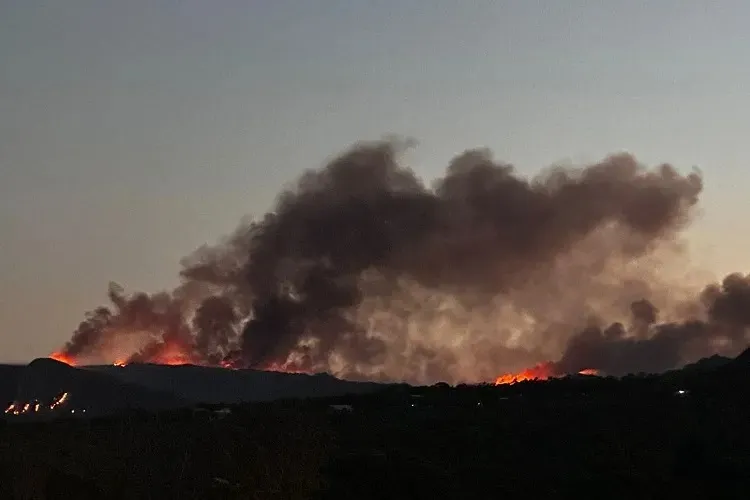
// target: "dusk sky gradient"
[[131, 132]]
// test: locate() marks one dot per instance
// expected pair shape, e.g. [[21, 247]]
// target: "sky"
[[133, 132]]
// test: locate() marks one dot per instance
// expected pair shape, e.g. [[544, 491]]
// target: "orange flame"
[[63, 358], [542, 371], [172, 354], [168, 354]]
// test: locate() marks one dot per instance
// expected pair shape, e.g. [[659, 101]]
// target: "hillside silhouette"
[[680, 434], [108, 390], [213, 385], [45, 381]]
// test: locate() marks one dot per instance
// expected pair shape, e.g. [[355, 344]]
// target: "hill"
[[201, 384], [107, 389], [211, 385], [48, 389], [639, 436]]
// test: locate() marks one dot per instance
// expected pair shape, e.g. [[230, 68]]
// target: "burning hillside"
[[49, 388], [62, 358], [542, 371], [363, 270]]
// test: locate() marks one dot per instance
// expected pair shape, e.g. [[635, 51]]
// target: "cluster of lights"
[[59, 401], [33, 407]]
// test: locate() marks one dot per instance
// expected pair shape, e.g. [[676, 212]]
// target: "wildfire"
[[542, 371], [63, 358], [168, 353], [172, 360]]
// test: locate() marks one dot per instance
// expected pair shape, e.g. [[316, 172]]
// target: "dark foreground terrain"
[[681, 435]]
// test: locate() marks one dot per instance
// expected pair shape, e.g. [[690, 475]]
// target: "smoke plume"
[[363, 270]]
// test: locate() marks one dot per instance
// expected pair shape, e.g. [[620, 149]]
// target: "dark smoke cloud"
[[662, 346], [363, 270]]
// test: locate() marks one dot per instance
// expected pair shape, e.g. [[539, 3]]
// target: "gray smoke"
[[364, 270]]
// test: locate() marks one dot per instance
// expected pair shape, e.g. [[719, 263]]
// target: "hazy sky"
[[133, 131]]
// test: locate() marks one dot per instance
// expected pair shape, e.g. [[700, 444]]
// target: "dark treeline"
[[681, 434]]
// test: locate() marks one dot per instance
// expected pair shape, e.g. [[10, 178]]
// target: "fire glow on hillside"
[[542, 371], [63, 358], [167, 354]]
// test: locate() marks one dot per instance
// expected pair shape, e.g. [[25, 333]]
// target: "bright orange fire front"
[[63, 358], [542, 371], [172, 357], [168, 353]]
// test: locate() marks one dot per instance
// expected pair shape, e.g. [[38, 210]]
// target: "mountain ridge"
[[107, 389]]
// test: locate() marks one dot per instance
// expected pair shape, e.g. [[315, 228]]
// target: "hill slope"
[[48, 389], [219, 385]]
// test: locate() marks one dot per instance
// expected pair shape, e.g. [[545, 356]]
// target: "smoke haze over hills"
[[366, 271]]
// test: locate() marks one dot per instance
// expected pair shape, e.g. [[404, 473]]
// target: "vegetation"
[[681, 435], [248, 455]]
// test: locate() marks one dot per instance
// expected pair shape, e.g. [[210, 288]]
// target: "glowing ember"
[[589, 371]]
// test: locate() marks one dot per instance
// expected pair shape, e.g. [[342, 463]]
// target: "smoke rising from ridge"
[[363, 270]]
